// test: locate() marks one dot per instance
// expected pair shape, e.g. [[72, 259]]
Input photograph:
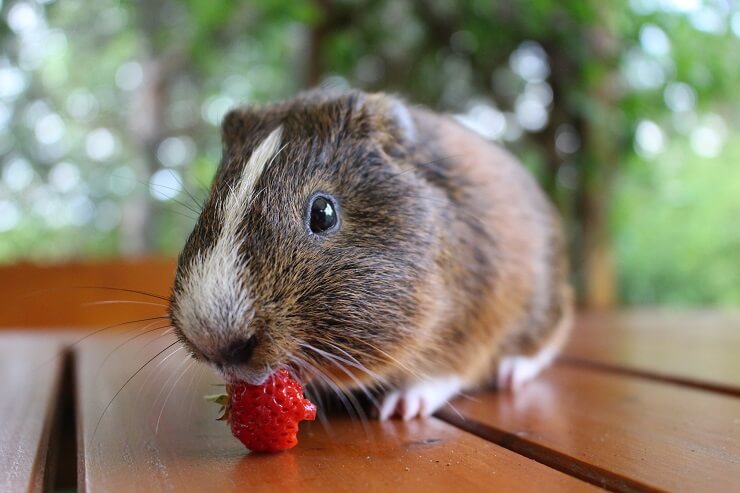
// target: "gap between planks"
[[562, 462], [57, 475], [69, 395], [576, 362], [548, 457], [62, 459], [567, 463]]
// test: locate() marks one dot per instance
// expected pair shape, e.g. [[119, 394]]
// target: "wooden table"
[[640, 401]]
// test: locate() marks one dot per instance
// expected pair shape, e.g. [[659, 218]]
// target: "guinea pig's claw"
[[388, 405], [420, 400]]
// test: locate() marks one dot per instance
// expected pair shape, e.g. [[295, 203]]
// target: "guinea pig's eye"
[[323, 214]]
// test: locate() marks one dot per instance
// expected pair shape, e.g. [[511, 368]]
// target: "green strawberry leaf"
[[221, 399]]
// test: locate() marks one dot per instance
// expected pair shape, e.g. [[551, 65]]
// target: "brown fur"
[[448, 255]]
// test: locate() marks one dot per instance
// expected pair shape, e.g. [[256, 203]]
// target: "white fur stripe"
[[213, 303], [233, 208]]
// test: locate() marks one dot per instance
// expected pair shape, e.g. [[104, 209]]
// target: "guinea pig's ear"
[[393, 116], [401, 118], [245, 126], [239, 124]]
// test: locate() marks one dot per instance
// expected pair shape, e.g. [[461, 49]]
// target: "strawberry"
[[265, 417]]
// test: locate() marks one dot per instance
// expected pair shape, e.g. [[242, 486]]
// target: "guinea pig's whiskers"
[[188, 216], [79, 341], [169, 378], [166, 187], [196, 210], [337, 362], [355, 363], [127, 290], [198, 203], [97, 331], [169, 394], [461, 395], [180, 202], [204, 189], [314, 393], [399, 364], [105, 410], [192, 386], [153, 373], [124, 302], [454, 409], [350, 403], [160, 365], [145, 330], [353, 407], [313, 396]]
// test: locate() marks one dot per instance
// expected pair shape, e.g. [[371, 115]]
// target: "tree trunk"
[[146, 124], [602, 157]]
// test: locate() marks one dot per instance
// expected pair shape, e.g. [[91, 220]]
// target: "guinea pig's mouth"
[[254, 376], [241, 373]]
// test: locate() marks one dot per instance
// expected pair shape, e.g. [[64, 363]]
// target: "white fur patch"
[[422, 399], [516, 370], [213, 302]]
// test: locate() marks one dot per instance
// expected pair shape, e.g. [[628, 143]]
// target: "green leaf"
[[221, 399]]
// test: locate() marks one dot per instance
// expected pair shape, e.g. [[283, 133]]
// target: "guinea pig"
[[364, 243]]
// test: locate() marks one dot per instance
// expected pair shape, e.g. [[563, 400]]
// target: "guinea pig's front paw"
[[421, 399], [515, 371]]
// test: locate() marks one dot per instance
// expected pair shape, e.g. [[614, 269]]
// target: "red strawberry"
[[265, 417]]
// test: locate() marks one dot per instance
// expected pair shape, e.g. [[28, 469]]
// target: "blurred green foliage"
[[624, 110], [676, 238]]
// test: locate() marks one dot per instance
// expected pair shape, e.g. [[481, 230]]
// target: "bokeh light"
[[110, 112]]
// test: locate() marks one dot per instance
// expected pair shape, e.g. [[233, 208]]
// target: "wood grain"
[[60, 295], [190, 451], [696, 348], [30, 372], [624, 433]]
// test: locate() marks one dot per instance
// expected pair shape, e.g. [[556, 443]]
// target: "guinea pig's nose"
[[238, 352]]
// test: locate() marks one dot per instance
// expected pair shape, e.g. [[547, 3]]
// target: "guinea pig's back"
[[525, 294]]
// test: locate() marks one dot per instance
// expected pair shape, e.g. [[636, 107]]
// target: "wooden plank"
[[30, 374], [188, 450], [697, 348], [24, 287], [625, 433]]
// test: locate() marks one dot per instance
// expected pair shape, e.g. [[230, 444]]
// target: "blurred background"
[[626, 111]]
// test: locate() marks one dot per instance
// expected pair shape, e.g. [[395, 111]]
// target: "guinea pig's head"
[[315, 245]]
